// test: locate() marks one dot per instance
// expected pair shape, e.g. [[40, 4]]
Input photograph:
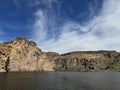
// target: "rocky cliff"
[[89, 61], [24, 55]]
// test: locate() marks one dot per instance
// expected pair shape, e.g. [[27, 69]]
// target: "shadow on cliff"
[[7, 64]]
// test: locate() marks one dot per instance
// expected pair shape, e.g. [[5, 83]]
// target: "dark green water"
[[60, 81]]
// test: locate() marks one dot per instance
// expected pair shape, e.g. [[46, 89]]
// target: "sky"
[[62, 25]]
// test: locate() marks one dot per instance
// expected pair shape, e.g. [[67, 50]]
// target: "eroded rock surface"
[[24, 55], [89, 61]]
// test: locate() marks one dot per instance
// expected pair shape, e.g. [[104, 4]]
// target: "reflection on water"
[[60, 81]]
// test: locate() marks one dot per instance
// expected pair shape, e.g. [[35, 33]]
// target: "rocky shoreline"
[[22, 55]]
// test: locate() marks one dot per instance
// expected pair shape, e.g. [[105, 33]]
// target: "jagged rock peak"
[[23, 41]]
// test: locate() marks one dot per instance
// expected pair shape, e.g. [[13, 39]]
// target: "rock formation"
[[24, 55], [89, 61]]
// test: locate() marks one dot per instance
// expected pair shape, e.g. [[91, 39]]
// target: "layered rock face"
[[89, 61], [24, 55]]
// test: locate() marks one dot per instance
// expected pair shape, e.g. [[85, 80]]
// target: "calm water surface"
[[60, 81]]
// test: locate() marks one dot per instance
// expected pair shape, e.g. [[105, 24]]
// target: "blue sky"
[[62, 25]]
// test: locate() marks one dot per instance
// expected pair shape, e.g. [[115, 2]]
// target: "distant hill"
[[23, 55]]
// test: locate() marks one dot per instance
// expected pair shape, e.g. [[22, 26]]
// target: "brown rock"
[[24, 55]]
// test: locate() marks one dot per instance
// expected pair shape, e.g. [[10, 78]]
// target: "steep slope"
[[24, 55]]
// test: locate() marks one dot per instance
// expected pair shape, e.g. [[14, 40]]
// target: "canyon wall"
[[23, 55], [89, 61]]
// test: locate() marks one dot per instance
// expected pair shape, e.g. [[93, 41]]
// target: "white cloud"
[[32, 3], [40, 26], [44, 21], [49, 3], [101, 32]]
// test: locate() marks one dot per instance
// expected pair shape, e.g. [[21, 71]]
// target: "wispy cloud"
[[40, 26], [45, 21], [32, 3], [100, 32]]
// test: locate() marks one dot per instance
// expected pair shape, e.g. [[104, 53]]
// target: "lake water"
[[60, 81]]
